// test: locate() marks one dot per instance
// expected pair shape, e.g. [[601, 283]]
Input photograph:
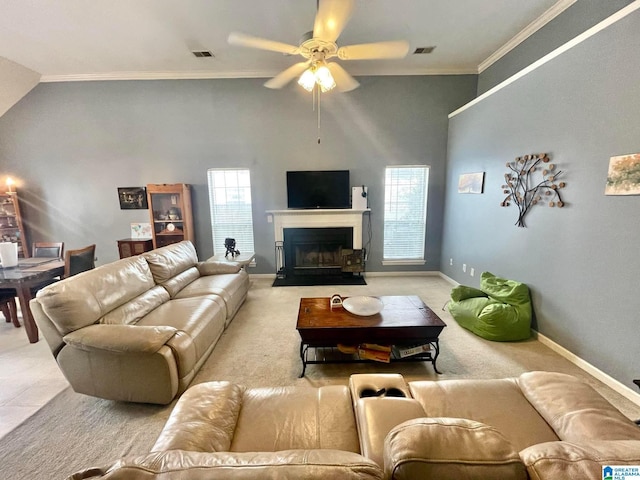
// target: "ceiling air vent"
[[423, 50], [202, 53]]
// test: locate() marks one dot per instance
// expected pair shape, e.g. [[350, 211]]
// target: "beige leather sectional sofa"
[[538, 426], [139, 329]]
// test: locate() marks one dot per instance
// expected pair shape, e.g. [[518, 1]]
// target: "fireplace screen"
[[316, 251], [318, 256]]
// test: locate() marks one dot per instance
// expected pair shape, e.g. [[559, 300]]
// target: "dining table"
[[29, 273]]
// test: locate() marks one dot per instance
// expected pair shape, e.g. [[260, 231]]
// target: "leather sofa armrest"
[[553, 460], [120, 338], [450, 449], [203, 420], [179, 464], [214, 267]]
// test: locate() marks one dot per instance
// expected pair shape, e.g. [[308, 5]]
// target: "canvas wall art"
[[471, 182], [624, 175]]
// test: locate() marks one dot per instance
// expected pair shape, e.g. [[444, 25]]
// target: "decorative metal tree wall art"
[[525, 189]]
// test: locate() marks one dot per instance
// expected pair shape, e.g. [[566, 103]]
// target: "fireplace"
[[333, 259], [315, 251]]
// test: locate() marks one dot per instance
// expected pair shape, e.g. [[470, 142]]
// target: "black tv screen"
[[318, 189]]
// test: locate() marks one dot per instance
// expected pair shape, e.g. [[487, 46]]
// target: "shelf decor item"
[[525, 190], [363, 306], [170, 213]]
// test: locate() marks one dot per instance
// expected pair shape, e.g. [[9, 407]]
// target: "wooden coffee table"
[[405, 321]]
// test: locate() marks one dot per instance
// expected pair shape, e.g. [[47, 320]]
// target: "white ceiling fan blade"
[[284, 77], [331, 18], [344, 81], [370, 51], [243, 40]]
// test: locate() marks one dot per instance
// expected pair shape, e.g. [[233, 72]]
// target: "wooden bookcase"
[[170, 213], [11, 229]]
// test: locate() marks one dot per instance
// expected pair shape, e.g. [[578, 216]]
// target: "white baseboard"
[[595, 372], [448, 279], [402, 274]]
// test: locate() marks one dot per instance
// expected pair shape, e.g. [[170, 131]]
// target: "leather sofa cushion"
[[498, 403], [83, 299], [554, 460], [201, 319], [224, 285], [450, 449], [291, 464], [221, 416], [214, 267], [296, 418], [131, 312], [574, 409], [181, 280], [167, 262]]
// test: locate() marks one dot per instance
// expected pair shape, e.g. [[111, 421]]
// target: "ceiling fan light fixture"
[[324, 78], [307, 80]]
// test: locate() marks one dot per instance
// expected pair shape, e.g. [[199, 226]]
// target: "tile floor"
[[29, 377]]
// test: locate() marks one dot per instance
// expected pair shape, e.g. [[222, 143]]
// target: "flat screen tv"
[[318, 189]]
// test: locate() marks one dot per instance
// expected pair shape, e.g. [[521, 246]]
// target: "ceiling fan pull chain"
[[318, 89]]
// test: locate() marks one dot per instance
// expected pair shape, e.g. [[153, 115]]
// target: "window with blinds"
[[405, 214], [231, 216]]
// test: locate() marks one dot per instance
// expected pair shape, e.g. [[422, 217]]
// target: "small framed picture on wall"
[[133, 198], [471, 183]]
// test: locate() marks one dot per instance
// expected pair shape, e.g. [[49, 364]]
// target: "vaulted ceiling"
[[112, 39]]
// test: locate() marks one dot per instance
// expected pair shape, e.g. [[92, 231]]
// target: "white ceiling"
[[110, 39]]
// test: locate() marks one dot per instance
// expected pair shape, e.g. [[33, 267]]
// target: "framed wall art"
[[471, 183], [623, 177], [133, 198]]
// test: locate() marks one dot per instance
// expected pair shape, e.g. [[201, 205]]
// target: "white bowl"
[[363, 306]]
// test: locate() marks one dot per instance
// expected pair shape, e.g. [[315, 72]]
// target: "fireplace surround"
[[321, 235]]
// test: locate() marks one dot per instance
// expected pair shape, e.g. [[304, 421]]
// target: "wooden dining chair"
[[80, 260], [47, 249], [8, 306]]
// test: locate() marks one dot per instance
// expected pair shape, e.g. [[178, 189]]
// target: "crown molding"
[[529, 30], [113, 76], [607, 22]]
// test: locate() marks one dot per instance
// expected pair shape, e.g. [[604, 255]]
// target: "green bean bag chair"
[[499, 311]]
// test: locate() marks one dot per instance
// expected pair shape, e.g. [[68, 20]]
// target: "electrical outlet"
[[472, 271], [269, 219], [464, 267], [451, 261]]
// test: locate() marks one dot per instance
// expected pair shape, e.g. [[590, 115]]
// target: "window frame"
[[421, 260], [220, 250]]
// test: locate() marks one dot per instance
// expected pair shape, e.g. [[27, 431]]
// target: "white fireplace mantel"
[[319, 218]]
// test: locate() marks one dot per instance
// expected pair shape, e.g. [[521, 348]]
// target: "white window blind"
[[405, 214], [231, 216]]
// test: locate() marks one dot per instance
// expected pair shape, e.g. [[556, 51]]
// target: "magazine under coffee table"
[[405, 321]]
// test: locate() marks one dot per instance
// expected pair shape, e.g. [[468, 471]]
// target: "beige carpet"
[[261, 348]]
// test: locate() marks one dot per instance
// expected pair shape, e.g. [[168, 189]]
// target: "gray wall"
[[581, 262], [72, 144], [578, 18]]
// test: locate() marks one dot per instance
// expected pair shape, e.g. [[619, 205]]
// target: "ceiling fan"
[[318, 46]]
